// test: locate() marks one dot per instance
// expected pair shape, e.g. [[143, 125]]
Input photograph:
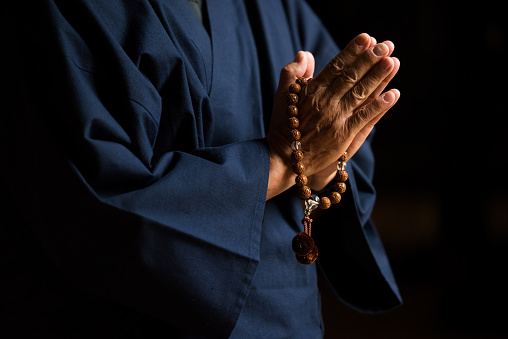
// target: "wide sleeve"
[[123, 191], [351, 256]]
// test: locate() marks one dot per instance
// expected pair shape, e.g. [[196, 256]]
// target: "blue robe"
[[134, 150]]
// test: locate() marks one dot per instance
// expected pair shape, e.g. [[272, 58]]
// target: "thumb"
[[302, 66]]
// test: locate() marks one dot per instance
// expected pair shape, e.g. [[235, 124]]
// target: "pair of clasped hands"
[[337, 110]]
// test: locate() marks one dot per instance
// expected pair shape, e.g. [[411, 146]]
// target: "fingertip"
[[362, 39], [299, 56], [391, 45], [380, 50], [388, 97], [311, 63], [387, 63], [396, 94]]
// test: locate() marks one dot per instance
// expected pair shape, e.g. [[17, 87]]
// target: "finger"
[[359, 93], [384, 83], [309, 72], [365, 131], [302, 65], [390, 45], [294, 69], [366, 116], [345, 58], [355, 72]]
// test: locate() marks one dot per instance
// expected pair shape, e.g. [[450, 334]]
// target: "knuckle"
[[358, 119], [288, 70], [359, 92], [363, 114], [350, 75], [377, 105], [350, 125], [366, 112], [336, 66]]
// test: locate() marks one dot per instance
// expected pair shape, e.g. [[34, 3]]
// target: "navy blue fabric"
[[134, 147]]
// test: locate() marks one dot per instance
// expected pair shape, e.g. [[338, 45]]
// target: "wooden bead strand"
[[303, 245]]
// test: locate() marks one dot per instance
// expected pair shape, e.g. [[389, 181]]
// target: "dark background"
[[442, 207]]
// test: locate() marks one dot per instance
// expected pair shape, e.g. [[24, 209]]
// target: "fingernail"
[[362, 39], [380, 49], [386, 63], [388, 97], [299, 57]]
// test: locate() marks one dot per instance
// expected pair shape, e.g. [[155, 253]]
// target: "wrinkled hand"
[[337, 109]]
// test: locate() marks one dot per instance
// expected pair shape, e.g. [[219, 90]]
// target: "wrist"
[[281, 177]]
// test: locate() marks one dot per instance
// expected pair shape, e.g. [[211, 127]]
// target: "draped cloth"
[[137, 169]]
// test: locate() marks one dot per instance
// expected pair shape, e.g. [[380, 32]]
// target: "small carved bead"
[[302, 81], [302, 243], [297, 155], [292, 98], [301, 180], [295, 88], [299, 167], [294, 122], [295, 134], [292, 110], [339, 187], [335, 197], [324, 203], [309, 258], [304, 192], [341, 176], [343, 157]]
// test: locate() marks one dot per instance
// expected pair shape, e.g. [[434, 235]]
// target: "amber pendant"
[[308, 258], [302, 243], [305, 250]]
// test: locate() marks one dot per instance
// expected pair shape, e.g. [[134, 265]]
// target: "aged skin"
[[337, 110]]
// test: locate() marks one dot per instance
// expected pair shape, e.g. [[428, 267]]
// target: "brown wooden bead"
[[301, 81], [309, 258], [294, 122], [302, 243], [292, 110], [343, 157], [301, 180], [297, 155], [299, 167], [292, 98], [295, 134], [324, 203], [335, 197], [339, 187], [295, 88], [341, 176], [304, 192]]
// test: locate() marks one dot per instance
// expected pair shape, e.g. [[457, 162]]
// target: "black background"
[[442, 207]]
